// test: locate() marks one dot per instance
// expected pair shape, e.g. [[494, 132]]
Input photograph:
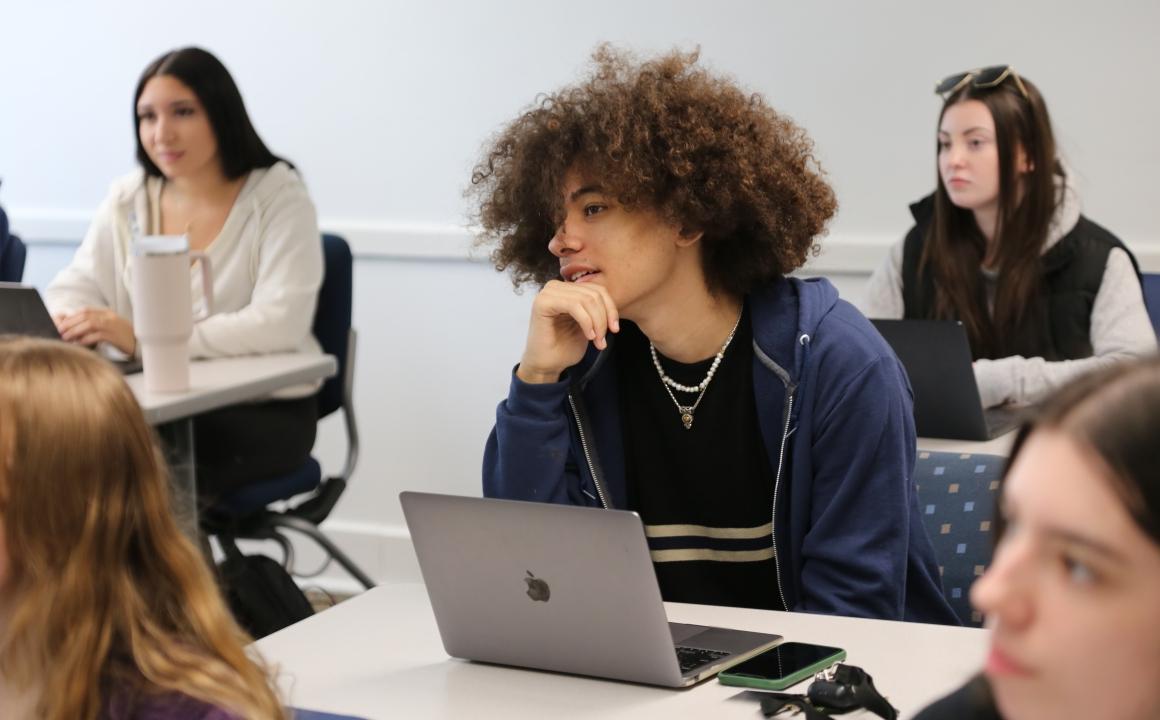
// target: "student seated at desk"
[[206, 173], [106, 609], [1044, 293], [1072, 595], [759, 425]]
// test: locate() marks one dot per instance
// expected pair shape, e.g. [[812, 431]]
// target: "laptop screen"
[[22, 312], [937, 358]]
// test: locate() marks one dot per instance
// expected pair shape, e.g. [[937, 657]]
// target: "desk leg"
[[177, 444]]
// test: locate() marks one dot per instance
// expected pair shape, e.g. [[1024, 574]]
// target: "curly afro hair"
[[666, 135]]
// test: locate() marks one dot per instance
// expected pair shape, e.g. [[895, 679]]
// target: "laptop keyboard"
[[690, 657]]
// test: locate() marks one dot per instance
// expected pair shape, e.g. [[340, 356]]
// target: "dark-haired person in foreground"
[[1072, 593], [758, 424], [207, 174]]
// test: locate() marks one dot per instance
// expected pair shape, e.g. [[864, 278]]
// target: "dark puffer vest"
[[1059, 327]]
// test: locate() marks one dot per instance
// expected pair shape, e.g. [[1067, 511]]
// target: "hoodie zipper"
[[587, 452], [776, 486]]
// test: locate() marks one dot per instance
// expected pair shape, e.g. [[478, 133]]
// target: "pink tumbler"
[[163, 308]]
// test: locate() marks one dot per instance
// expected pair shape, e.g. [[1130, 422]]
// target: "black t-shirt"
[[705, 494]]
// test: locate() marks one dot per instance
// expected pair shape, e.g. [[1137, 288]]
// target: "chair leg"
[[306, 528], [287, 548]]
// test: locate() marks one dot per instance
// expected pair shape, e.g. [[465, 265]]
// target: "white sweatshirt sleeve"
[[91, 277], [1120, 329], [884, 289], [287, 276]]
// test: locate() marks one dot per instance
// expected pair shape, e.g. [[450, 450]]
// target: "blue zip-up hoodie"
[[835, 411]]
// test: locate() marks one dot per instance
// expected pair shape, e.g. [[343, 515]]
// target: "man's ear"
[[687, 237]]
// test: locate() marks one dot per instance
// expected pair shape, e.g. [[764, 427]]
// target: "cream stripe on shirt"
[[694, 532]]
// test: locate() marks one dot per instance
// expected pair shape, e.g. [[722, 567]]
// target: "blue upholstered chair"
[[12, 253], [245, 514], [1152, 298], [956, 497]]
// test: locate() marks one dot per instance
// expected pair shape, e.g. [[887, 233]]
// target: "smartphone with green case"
[[782, 666]]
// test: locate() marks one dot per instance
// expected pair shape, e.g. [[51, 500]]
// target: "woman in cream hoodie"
[[206, 173]]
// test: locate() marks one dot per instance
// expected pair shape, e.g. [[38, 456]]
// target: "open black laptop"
[[22, 312], [937, 357]]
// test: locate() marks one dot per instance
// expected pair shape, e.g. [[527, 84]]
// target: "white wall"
[[384, 107]]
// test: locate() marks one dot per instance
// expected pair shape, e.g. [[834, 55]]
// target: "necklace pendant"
[[687, 419]]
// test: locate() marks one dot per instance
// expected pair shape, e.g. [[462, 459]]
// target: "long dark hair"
[[954, 246], [1115, 414], [239, 147]]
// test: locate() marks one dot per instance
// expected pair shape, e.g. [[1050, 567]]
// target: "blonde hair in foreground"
[[108, 600]]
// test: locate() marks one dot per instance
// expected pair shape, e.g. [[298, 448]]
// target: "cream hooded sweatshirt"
[[266, 263]]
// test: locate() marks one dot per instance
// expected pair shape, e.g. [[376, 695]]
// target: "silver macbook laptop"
[[561, 588], [937, 358], [22, 312]]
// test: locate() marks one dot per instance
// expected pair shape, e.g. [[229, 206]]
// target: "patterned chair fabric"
[[956, 496]]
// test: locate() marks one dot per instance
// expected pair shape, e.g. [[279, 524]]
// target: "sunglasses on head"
[[985, 78]]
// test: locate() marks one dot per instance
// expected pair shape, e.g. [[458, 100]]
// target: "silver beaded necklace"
[[669, 384]]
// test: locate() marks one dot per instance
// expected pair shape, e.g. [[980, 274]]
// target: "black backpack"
[[261, 594]]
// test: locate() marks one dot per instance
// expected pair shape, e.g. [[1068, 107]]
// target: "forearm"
[[257, 329], [854, 555], [528, 452], [72, 290], [872, 587], [94, 276], [88, 281], [1120, 329], [1022, 380]]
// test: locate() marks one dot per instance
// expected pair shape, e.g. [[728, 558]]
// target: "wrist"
[[536, 376]]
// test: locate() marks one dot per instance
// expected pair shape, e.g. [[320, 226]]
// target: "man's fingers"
[[594, 307], [560, 297], [566, 317], [583, 319], [609, 308]]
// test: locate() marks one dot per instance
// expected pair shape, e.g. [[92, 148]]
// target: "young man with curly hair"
[[758, 424]]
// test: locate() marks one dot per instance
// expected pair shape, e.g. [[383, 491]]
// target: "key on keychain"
[[786, 705]]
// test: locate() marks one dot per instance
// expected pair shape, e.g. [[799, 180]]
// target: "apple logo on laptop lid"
[[538, 590]]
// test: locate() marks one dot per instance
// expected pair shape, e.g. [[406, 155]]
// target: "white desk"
[[997, 446], [378, 655], [226, 381], [215, 384]]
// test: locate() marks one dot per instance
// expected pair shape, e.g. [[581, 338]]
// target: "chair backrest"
[[1152, 298], [332, 318], [12, 253], [956, 498]]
